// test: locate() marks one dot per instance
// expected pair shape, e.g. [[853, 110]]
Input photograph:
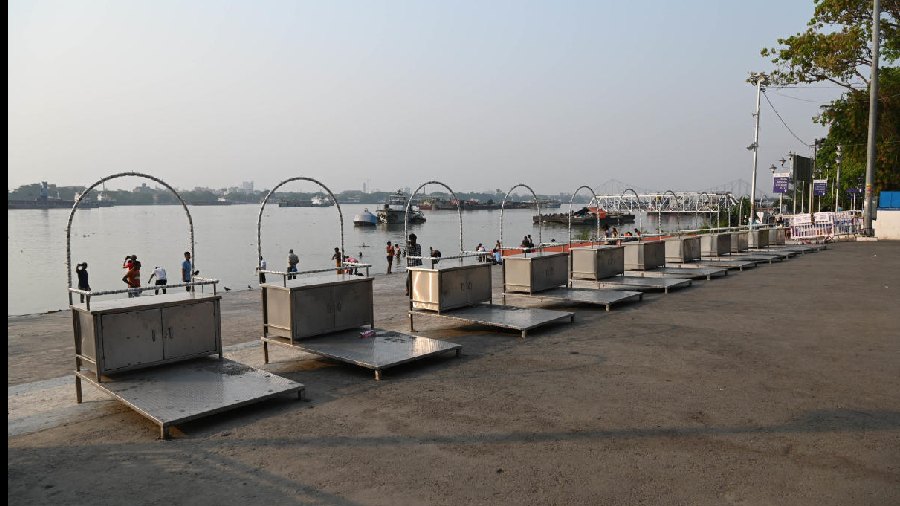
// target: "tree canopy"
[[836, 48]]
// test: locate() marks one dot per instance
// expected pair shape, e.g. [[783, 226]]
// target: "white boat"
[[365, 219], [394, 208]]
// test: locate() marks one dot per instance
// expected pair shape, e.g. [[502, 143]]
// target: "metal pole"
[[837, 182], [812, 181], [873, 118], [755, 145]]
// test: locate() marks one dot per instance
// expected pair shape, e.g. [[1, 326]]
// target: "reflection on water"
[[226, 242]]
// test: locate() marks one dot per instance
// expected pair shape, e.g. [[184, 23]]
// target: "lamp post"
[[760, 81]]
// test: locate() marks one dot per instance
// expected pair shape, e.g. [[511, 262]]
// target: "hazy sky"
[[479, 94]]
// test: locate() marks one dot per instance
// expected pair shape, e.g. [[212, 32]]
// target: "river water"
[[225, 246]]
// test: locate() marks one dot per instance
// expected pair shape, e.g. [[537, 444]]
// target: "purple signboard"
[[781, 182], [820, 186]]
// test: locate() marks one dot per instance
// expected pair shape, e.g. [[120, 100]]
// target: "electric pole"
[[837, 181], [873, 118], [760, 78]]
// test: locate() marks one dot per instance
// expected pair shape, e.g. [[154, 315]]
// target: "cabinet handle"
[[153, 335], [469, 285], [171, 334], [462, 286], [339, 305]]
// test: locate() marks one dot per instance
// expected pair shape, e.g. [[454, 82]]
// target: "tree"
[[835, 48]]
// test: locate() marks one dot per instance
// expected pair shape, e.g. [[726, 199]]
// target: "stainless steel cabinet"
[[713, 245], [534, 273], [776, 236], [598, 262], [645, 255], [450, 287], [683, 249], [311, 306], [738, 242], [758, 238], [126, 334]]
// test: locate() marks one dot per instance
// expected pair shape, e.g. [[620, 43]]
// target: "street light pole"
[[837, 181], [755, 147], [873, 118]]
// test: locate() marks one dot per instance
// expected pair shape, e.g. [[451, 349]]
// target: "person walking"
[[161, 279], [389, 254], [293, 260], [82, 273], [186, 267]]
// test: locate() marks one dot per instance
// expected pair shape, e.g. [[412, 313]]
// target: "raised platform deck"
[[682, 272], [597, 297], [493, 315], [642, 284], [385, 349], [725, 262], [173, 394]]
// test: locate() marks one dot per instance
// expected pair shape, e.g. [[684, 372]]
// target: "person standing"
[[338, 259], [186, 267], [389, 254], [262, 267], [413, 258], [293, 260], [161, 279], [82, 273], [132, 278]]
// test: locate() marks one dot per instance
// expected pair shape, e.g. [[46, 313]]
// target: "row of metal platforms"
[[173, 393]]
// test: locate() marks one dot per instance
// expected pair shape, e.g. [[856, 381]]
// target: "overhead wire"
[[783, 122]]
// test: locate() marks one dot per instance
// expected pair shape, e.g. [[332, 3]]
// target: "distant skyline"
[[480, 95]]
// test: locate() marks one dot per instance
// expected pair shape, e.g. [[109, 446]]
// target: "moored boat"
[[365, 219]]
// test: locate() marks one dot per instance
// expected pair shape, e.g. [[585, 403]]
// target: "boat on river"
[[365, 219], [392, 212]]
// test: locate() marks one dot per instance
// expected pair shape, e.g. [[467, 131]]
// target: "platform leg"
[[411, 325], [164, 432], [78, 389], [572, 318], [265, 352], [377, 374], [607, 308], [458, 352], [524, 334], [299, 395]]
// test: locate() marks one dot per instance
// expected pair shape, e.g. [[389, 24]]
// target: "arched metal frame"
[[458, 211], [597, 214], [537, 204], [708, 206], [98, 183], [262, 208], [640, 207], [677, 221]]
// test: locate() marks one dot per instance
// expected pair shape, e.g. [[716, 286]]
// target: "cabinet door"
[[190, 329], [352, 305], [131, 339], [313, 311], [454, 289], [478, 284]]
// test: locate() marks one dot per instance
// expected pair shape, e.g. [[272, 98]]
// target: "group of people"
[[613, 232], [132, 277], [527, 242]]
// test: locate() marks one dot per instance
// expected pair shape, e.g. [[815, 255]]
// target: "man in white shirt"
[[262, 267], [161, 279]]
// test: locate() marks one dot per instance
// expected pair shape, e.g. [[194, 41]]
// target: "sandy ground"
[[778, 385]]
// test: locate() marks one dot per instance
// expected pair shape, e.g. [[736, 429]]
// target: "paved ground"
[[778, 385]]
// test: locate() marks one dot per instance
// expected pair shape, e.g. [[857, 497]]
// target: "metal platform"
[[743, 257], [759, 257], [784, 254], [386, 349], [493, 315], [592, 296], [642, 284], [682, 272], [173, 394], [722, 262], [801, 249]]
